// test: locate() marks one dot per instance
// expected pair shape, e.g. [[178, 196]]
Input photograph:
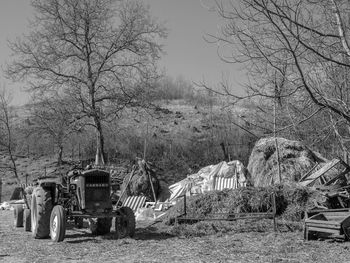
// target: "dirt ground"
[[152, 244]]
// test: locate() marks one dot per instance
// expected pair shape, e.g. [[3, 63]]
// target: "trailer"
[[327, 223]]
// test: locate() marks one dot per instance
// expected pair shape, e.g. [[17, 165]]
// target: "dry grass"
[[291, 202], [154, 245]]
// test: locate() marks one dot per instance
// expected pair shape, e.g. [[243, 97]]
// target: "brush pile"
[[141, 181]]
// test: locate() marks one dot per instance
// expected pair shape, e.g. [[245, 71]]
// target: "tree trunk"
[[224, 150], [100, 154], [59, 155]]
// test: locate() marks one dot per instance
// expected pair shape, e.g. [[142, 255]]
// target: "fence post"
[[0, 188], [79, 153], [274, 211], [185, 212], [346, 157]]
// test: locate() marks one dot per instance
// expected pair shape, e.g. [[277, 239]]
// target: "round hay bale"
[[295, 160]]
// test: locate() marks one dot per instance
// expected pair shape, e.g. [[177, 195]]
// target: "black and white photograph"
[[156, 131]]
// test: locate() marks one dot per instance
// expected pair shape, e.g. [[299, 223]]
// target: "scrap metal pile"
[[332, 180], [330, 219]]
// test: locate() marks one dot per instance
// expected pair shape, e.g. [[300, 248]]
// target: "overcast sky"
[[187, 53]]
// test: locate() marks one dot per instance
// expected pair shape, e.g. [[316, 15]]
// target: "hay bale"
[[295, 160], [140, 183]]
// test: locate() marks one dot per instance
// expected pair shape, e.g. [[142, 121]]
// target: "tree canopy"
[[295, 51], [101, 53]]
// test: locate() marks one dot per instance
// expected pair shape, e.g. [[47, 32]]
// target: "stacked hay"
[[140, 183], [291, 201], [294, 157]]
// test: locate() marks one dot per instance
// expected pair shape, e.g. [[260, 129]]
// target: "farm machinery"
[[326, 223], [83, 194]]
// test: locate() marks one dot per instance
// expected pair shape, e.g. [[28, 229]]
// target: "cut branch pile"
[[143, 181]]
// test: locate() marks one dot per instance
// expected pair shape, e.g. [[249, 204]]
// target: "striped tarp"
[[222, 183], [134, 202]]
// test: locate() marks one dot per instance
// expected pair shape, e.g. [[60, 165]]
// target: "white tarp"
[[5, 206], [223, 175]]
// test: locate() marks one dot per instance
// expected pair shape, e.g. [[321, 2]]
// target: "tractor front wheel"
[[58, 223], [125, 223]]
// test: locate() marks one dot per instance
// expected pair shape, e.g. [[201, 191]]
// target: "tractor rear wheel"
[[41, 207], [26, 220], [57, 223], [102, 226], [18, 214], [125, 223]]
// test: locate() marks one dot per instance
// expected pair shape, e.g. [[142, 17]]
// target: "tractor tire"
[[102, 226], [41, 207], [18, 215], [125, 223], [29, 200], [58, 223], [26, 220]]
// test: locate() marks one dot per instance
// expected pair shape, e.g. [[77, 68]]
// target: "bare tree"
[[101, 53], [7, 142], [54, 117], [296, 51]]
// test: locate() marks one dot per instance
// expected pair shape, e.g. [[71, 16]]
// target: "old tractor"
[[83, 194]]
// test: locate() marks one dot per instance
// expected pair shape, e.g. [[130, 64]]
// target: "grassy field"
[[155, 244]]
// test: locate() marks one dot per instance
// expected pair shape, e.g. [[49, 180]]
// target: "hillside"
[[177, 137], [29, 169]]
